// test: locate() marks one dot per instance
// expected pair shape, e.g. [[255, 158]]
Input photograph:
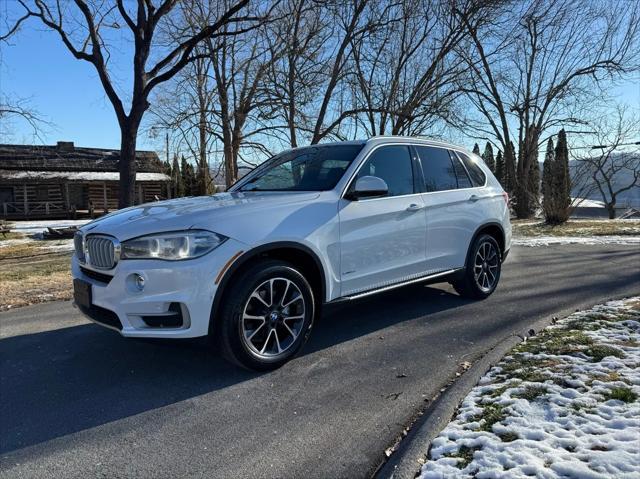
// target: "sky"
[[67, 93]]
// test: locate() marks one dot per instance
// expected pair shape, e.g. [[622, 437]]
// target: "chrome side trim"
[[397, 285]]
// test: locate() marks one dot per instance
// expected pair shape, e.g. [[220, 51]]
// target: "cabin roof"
[[66, 157], [36, 176]]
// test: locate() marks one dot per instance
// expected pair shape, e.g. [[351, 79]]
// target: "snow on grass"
[[563, 404], [30, 233], [584, 232], [13, 242], [583, 240], [38, 227], [57, 245]]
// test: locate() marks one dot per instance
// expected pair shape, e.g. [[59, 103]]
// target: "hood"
[[214, 213]]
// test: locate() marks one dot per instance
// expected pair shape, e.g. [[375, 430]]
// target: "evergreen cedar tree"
[[177, 178], [556, 182], [510, 170], [500, 168], [188, 178], [548, 198], [487, 156], [534, 184], [503, 171], [563, 180]]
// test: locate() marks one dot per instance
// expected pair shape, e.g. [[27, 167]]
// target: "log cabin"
[[65, 181]]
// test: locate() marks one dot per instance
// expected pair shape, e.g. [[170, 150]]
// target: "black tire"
[[472, 286], [241, 308]]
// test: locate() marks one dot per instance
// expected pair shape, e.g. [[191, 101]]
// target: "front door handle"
[[414, 207], [474, 198]]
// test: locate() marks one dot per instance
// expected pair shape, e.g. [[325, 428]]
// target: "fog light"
[[139, 281]]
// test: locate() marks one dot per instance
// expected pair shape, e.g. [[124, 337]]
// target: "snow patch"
[[35, 227], [12, 242], [583, 240], [570, 428]]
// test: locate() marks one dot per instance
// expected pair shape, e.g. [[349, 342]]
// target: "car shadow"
[[58, 382]]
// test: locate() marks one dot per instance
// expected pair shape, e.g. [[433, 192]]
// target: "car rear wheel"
[[482, 270], [267, 316]]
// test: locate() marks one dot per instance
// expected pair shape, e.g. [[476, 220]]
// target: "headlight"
[[172, 246]]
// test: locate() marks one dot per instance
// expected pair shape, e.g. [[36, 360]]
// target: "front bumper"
[[190, 284]]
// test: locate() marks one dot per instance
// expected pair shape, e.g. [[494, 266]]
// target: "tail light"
[[505, 195]]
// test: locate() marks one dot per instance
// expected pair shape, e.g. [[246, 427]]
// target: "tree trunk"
[[291, 113], [229, 170], [206, 188], [611, 209], [527, 191], [127, 165], [205, 185]]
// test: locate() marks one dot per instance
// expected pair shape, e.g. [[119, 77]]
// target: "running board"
[[396, 285]]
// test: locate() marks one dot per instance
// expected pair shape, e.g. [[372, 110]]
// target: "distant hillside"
[[217, 173], [628, 198]]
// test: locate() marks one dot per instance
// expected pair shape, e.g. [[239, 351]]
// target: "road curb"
[[407, 459]]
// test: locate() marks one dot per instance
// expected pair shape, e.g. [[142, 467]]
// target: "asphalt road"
[[77, 400]]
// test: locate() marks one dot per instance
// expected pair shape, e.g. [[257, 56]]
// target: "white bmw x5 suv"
[[312, 225]]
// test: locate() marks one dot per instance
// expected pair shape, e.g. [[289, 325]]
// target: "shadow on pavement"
[[63, 381]]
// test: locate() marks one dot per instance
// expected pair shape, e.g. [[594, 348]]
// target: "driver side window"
[[392, 164]]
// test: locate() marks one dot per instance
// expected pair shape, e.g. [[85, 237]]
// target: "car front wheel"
[[267, 315], [482, 270]]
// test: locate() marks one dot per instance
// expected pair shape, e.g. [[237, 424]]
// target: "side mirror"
[[368, 187]]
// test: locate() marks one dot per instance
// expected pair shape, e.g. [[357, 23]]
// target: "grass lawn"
[[33, 271], [532, 228]]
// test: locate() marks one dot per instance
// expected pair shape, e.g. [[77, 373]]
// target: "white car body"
[[359, 247]]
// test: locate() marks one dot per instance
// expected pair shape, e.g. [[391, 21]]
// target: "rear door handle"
[[414, 207], [474, 198]]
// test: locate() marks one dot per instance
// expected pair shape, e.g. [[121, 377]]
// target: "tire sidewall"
[[471, 260], [247, 283]]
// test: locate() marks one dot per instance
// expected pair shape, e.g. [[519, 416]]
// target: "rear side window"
[[461, 173], [438, 169], [393, 165], [478, 177]]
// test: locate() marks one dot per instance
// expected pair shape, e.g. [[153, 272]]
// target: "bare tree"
[[612, 172], [406, 73], [239, 67], [542, 70], [349, 22], [296, 75], [184, 108], [12, 108], [83, 27]]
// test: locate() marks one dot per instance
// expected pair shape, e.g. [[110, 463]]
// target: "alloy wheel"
[[273, 317], [485, 266]]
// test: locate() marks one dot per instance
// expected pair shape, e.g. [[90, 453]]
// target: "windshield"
[[313, 168]]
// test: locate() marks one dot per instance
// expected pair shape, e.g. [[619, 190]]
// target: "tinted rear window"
[[461, 172], [437, 167], [312, 168], [478, 177]]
